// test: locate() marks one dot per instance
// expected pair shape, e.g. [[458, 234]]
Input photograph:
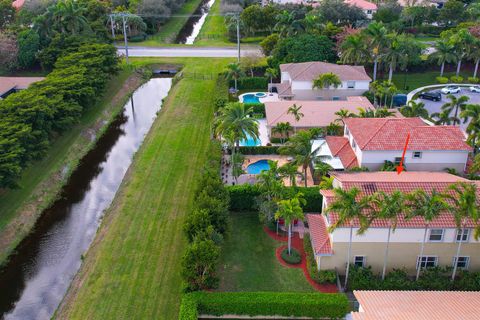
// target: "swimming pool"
[[253, 97], [258, 167], [250, 142]]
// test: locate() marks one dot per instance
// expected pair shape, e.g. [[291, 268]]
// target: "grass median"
[[214, 30], [132, 270]]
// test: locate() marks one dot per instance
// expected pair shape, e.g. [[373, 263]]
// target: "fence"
[[197, 75]]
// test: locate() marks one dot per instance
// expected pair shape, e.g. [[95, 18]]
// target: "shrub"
[[278, 140], [442, 80], [221, 92], [287, 304], [188, 308], [259, 150], [250, 83], [327, 276], [322, 276], [258, 108], [473, 80], [293, 258], [456, 79], [199, 263]]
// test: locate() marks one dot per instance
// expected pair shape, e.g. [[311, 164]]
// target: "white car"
[[474, 89], [450, 89]]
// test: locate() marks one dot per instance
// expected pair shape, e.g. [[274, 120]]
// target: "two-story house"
[[376, 140], [368, 249], [297, 81]]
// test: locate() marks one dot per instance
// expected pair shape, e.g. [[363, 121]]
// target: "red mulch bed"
[[297, 243]]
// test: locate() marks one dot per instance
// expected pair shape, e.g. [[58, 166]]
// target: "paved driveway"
[[433, 106]]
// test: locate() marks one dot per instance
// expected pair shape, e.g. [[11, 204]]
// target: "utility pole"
[[238, 37], [113, 28], [125, 36]]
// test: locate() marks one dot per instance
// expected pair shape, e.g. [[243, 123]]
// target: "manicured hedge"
[[322, 276], [288, 304], [248, 83], [242, 197], [258, 108], [259, 150]]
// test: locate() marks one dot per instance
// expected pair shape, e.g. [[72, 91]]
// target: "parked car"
[[432, 95], [399, 100], [450, 89], [474, 89]]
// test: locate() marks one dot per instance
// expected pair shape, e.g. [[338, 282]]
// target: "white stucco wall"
[[307, 85], [285, 76]]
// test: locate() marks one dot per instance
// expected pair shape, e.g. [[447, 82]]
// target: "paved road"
[[187, 52]]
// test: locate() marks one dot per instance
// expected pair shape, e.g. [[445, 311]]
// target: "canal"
[[192, 28], [38, 275]]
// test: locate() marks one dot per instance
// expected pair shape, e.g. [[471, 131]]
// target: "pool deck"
[[268, 98]]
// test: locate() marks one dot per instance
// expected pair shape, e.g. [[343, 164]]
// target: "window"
[[462, 262], [436, 235], [427, 261], [360, 261], [354, 145], [347, 132], [398, 160], [417, 155], [463, 235], [369, 11], [351, 84]]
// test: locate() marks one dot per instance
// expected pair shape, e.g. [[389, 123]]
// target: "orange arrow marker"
[[400, 166]]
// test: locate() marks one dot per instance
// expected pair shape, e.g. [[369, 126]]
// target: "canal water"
[[192, 28], [37, 277]]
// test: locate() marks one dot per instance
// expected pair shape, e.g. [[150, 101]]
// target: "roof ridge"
[[308, 66], [375, 133]]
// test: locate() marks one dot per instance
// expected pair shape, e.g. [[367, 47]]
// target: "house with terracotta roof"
[[9, 85], [416, 305], [376, 140], [297, 81], [442, 237], [369, 8]]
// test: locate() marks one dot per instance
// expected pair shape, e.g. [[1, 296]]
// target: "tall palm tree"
[[388, 207], [322, 168], [461, 40], [271, 188], [427, 206], [234, 72], [342, 114], [442, 118], [290, 171], [472, 112], [69, 17], [396, 55], [290, 210], [300, 147], [465, 205], [294, 110], [354, 49], [283, 128], [414, 109], [377, 35], [287, 24], [349, 205], [474, 54], [444, 53], [271, 73], [456, 105]]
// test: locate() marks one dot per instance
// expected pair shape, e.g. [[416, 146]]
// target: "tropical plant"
[[442, 118], [388, 166], [283, 128], [271, 73], [414, 109], [288, 24], [327, 80], [234, 72], [377, 42], [427, 206], [354, 49], [474, 54], [300, 147], [322, 168], [349, 206], [326, 183], [401, 48], [464, 206], [461, 41], [444, 53], [290, 171], [342, 114], [294, 110], [456, 105], [389, 207], [333, 129], [472, 112], [290, 210]]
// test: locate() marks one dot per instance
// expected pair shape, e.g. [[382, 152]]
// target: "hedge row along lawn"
[[315, 305], [132, 270]]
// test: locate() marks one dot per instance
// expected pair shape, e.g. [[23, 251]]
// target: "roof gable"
[[307, 71]]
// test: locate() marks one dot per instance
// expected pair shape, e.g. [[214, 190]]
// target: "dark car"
[[432, 95]]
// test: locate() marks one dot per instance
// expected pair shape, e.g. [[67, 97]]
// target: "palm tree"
[[287, 24], [445, 53], [271, 73], [234, 72], [396, 54], [290, 210], [427, 206], [69, 17], [283, 128], [327, 80], [462, 40], [295, 112], [465, 205], [354, 49], [414, 109], [333, 129], [326, 183], [290, 171], [455, 105], [322, 168], [300, 147], [343, 114], [442, 118], [389, 207], [349, 205], [271, 189], [474, 54], [472, 112], [377, 34]]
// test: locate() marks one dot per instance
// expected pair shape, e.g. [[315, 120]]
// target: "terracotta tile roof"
[[307, 71], [371, 182], [17, 4], [340, 147], [391, 134], [9, 83], [319, 234], [417, 305], [362, 4], [284, 89], [316, 113]]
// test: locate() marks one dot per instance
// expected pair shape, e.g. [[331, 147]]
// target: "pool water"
[[258, 167], [250, 142], [250, 98]]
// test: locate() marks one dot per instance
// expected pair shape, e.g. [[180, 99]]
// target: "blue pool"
[[253, 97], [250, 142], [257, 167]]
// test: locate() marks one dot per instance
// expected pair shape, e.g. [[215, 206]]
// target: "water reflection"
[[192, 28]]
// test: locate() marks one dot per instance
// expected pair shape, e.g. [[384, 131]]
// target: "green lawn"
[[132, 270], [42, 180], [169, 32], [214, 30], [248, 261]]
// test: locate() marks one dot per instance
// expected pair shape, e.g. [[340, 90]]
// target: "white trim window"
[[427, 261], [463, 234], [360, 261], [350, 84], [417, 155], [463, 262], [436, 235]]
